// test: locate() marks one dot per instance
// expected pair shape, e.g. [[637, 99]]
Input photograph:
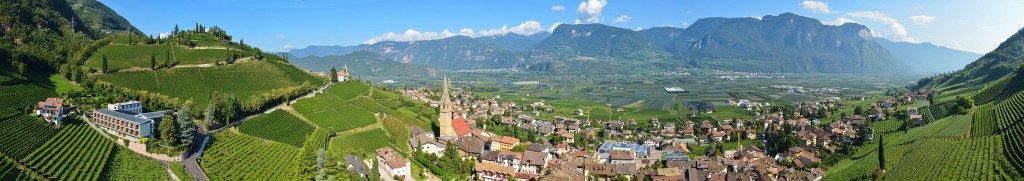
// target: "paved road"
[[192, 159]]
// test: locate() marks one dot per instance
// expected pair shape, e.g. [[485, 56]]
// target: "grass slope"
[[279, 126], [128, 166], [244, 80]]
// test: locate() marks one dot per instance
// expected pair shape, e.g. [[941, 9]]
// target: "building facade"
[[126, 120]]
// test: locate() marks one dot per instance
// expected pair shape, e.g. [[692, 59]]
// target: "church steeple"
[[445, 116], [446, 101]]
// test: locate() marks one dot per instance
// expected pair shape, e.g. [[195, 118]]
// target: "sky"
[[282, 25]]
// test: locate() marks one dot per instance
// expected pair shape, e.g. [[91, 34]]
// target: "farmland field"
[[234, 156], [125, 56], [279, 126], [20, 135], [127, 165], [9, 171], [77, 152], [244, 80], [361, 142]]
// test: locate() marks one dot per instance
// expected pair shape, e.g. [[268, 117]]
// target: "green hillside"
[[101, 19], [1002, 61], [244, 80]]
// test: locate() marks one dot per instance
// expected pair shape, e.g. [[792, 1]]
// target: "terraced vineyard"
[[130, 166], [20, 135], [9, 171], [77, 152], [938, 111], [125, 56], [279, 126], [953, 159], [17, 96], [233, 156], [1010, 115], [1000, 90], [244, 80], [984, 121], [361, 142]]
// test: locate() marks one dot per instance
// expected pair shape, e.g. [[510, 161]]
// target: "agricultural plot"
[[233, 156], [1000, 90], [1009, 114], [361, 142], [953, 159], [180, 171], [984, 123], [9, 171], [16, 97], [348, 90], [279, 126], [77, 152], [125, 56], [20, 135], [244, 80], [342, 118], [129, 166]]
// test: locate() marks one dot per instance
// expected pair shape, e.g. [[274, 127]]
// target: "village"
[[504, 140], [791, 141]]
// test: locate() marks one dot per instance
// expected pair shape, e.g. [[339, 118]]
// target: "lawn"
[[62, 85], [244, 80]]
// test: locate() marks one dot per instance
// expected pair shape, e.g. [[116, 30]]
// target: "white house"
[[127, 121], [392, 165], [53, 110], [433, 148]]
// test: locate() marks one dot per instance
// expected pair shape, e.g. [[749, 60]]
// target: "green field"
[[127, 165], [10, 171], [180, 171], [360, 143], [244, 80], [77, 152], [234, 156], [279, 126], [125, 56]]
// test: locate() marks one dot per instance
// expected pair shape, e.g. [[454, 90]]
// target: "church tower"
[[445, 117]]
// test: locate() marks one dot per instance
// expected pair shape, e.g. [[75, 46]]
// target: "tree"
[[105, 64], [168, 128], [152, 61], [333, 75], [858, 110], [881, 153], [167, 59], [186, 128], [175, 32], [211, 114]]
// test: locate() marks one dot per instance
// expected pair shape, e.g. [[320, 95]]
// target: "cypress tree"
[[104, 64], [881, 153], [152, 61]]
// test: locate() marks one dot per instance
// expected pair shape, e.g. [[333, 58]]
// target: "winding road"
[[192, 157]]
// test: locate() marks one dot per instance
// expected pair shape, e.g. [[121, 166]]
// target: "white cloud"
[[410, 35], [557, 8], [279, 36], [590, 11], [816, 7], [553, 26], [917, 8], [165, 35], [525, 28], [896, 30], [622, 19], [922, 19], [956, 46], [289, 46], [639, 28], [756, 17], [839, 21]]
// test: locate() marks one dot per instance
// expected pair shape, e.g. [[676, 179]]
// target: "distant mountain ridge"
[[363, 63], [782, 43], [1004, 60], [927, 57]]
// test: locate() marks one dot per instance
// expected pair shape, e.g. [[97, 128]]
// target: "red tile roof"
[[460, 126]]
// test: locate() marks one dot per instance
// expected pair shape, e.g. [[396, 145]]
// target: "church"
[[453, 125]]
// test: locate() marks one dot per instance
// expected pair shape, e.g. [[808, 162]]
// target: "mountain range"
[[786, 43], [363, 63]]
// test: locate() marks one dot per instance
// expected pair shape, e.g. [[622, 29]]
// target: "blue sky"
[[975, 26]]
